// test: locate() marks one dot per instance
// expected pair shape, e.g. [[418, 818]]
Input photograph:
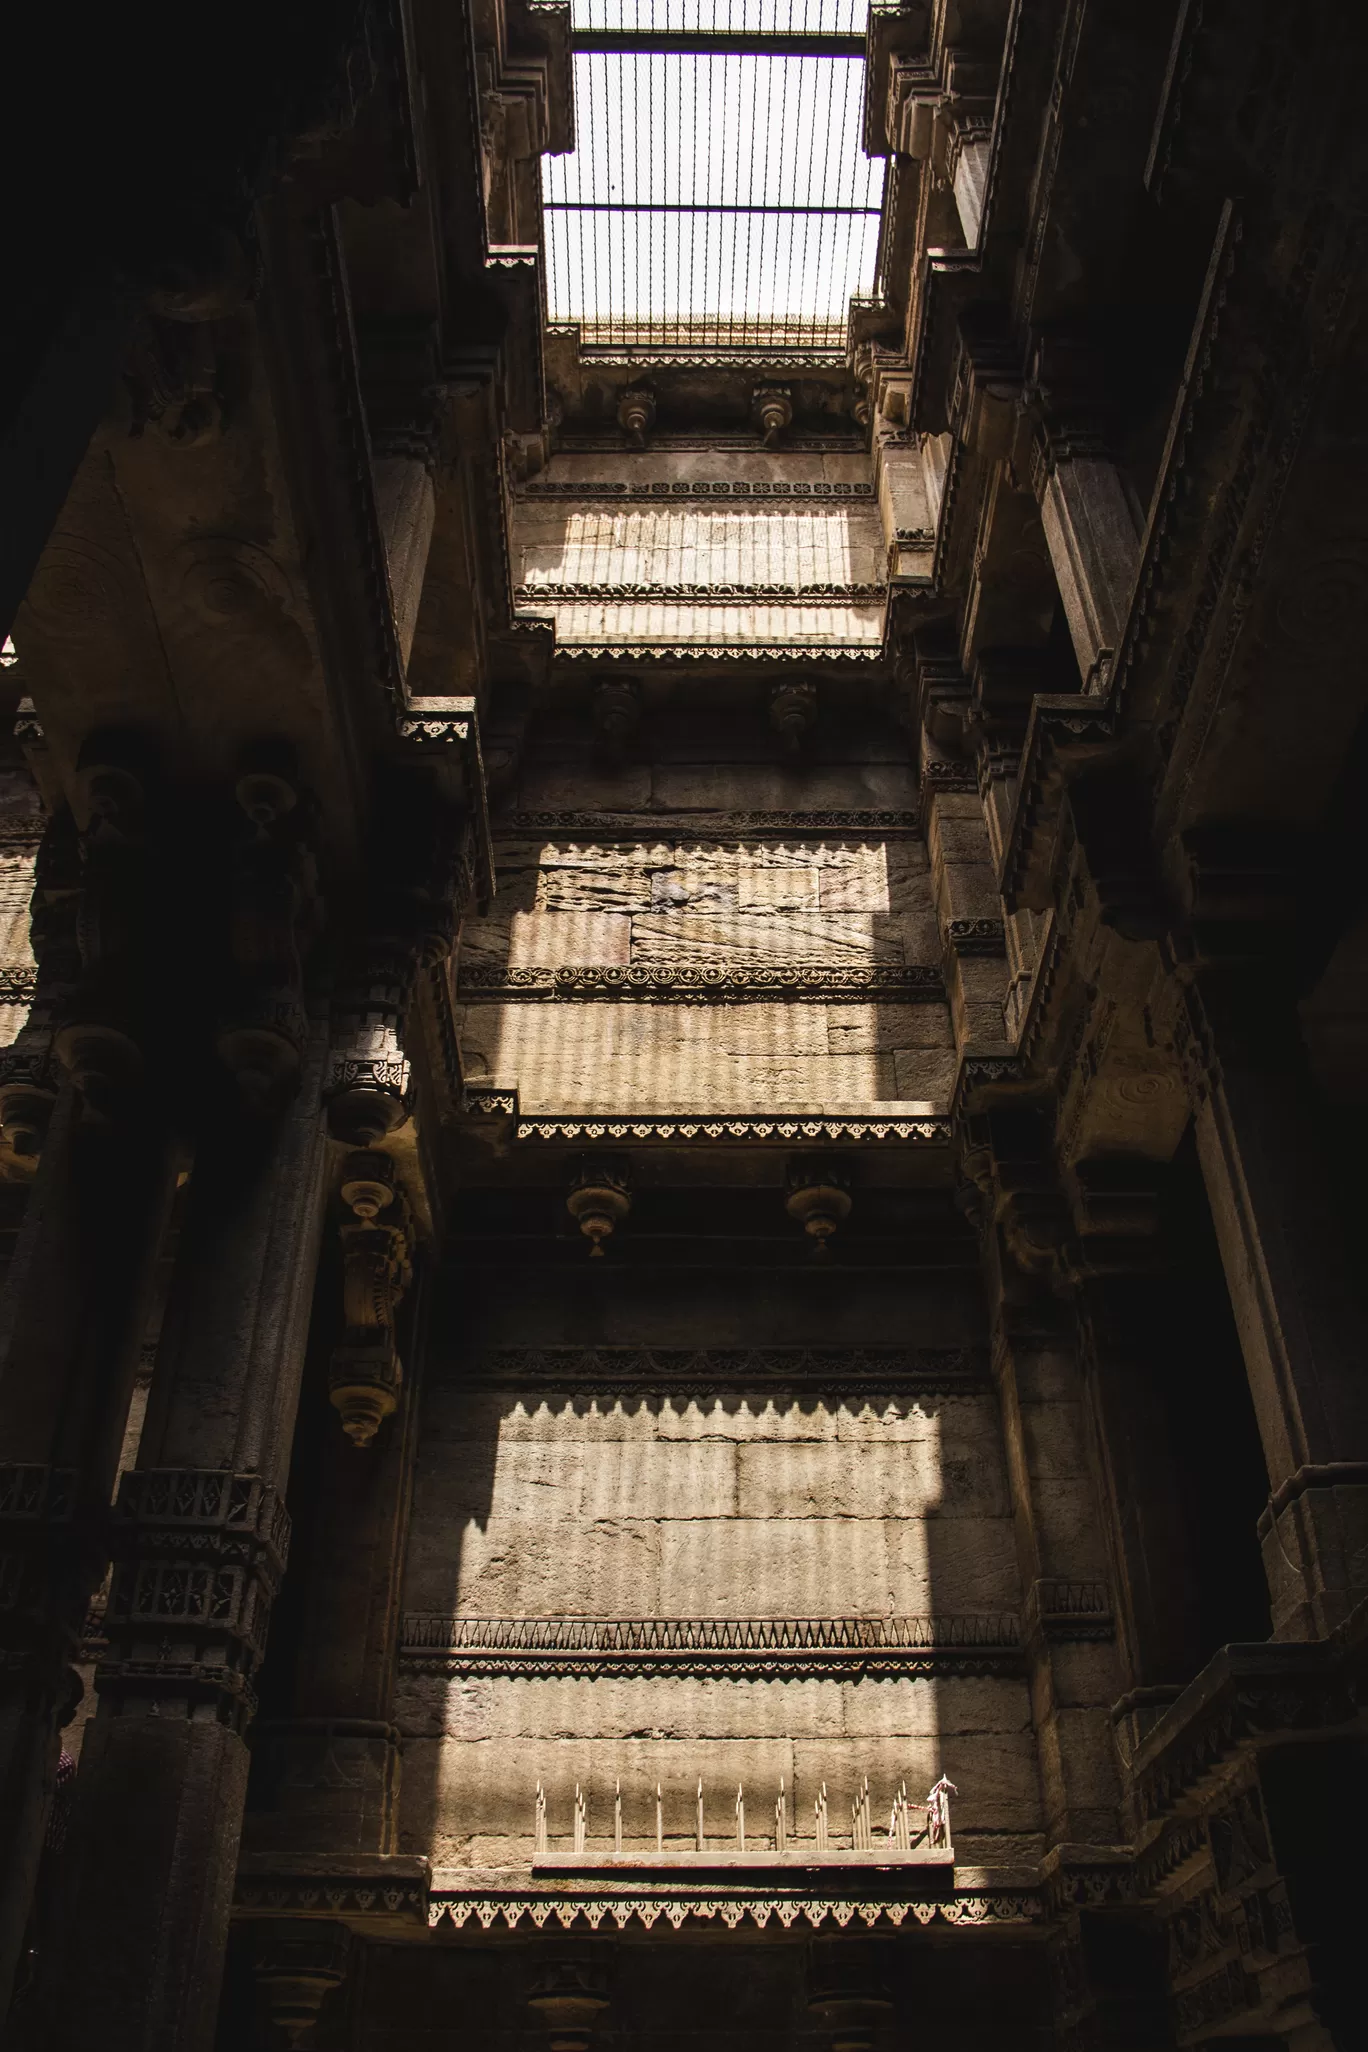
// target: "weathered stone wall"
[[859, 907], [682, 1479], [710, 545]]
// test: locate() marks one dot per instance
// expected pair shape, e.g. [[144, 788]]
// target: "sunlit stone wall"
[[696, 1484], [850, 913], [712, 545]]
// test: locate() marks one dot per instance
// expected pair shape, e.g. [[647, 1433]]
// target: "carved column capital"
[[199, 1555]]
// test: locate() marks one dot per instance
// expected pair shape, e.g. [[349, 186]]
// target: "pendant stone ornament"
[[599, 1200], [819, 1198]]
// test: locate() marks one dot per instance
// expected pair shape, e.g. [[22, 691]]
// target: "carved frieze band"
[[700, 594], [630, 651], [673, 488], [1022, 1906], [664, 983], [739, 1649], [933, 1131], [840, 1374], [637, 829], [18, 986], [330, 1895]]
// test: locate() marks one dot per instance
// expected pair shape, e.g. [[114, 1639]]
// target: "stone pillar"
[[1154, 1598], [1073, 1669], [1061, 1547], [201, 1539], [1297, 1310], [74, 1317], [1262, 1145], [407, 505], [75, 1304]]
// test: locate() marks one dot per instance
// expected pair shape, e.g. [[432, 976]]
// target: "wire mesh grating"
[[715, 201]]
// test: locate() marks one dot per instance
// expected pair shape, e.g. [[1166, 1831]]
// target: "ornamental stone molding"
[[933, 1130], [975, 937], [724, 653], [18, 986], [678, 1907], [628, 829], [723, 488], [1070, 1611], [841, 1374], [665, 984], [731, 1649], [368, 1889], [699, 594]]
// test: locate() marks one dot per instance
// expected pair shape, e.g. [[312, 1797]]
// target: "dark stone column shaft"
[[72, 1319], [1300, 1319], [201, 1539]]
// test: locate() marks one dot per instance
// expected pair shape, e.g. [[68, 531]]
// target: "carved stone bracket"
[[274, 918], [365, 1377]]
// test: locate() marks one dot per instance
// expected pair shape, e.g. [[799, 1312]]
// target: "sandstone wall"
[[705, 1474], [858, 906], [715, 546]]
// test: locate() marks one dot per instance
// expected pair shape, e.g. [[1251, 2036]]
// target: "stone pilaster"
[[1062, 1557], [202, 1536]]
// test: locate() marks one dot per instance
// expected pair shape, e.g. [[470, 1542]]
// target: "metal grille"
[[718, 199]]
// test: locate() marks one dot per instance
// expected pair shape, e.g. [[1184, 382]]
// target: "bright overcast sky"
[[763, 136]]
